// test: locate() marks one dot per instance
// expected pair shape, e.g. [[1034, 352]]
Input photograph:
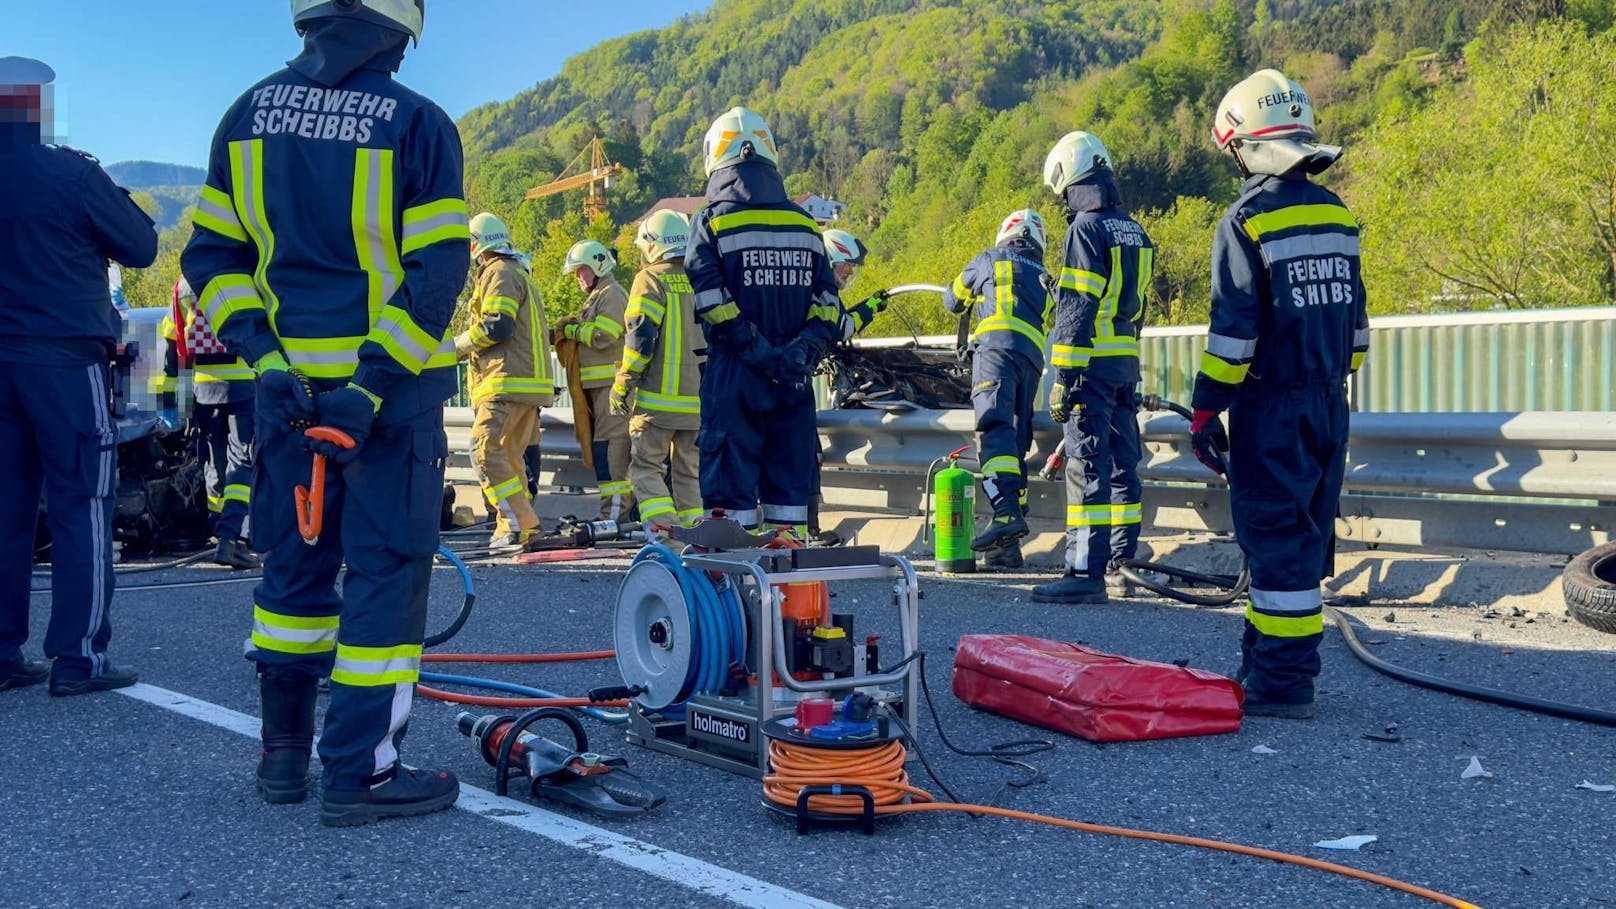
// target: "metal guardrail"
[[1528, 482]]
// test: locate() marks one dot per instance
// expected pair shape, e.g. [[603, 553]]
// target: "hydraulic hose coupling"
[[311, 499]]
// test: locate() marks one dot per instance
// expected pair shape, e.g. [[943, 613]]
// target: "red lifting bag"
[[1090, 694]]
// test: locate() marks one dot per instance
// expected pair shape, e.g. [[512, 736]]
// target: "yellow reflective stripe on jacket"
[[1087, 282], [238, 492], [1066, 356], [1358, 360], [762, 218], [247, 182], [634, 361], [591, 373], [403, 340], [435, 222], [372, 221], [293, 633], [216, 212], [1218, 369], [1004, 287], [1105, 328], [644, 306], [1116, 346], [1003, 464], [650, 400], [507, 385], [721, 313], [376, 666], [163, 383], [601, 324], [667, 398], [1321, 215], [227, 295], [1010, 323], [338, 358]]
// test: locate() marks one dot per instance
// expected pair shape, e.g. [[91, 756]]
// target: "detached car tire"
[[1589, 585]]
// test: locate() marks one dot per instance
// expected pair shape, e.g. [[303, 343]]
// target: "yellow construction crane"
[[598, 179]]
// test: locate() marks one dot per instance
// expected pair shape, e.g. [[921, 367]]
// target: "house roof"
[[684, 205]]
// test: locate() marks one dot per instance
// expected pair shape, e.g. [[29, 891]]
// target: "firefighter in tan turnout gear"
[[660, 379], [598, 332], [508, 346]]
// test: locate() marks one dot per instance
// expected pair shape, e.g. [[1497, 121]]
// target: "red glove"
[[1209, 441]]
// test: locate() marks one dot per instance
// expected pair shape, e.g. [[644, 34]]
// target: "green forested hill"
[[930, 118]]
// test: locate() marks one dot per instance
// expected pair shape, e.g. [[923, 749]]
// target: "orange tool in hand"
[[311, 498]]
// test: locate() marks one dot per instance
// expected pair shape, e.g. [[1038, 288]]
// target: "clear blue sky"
[[149, 79]]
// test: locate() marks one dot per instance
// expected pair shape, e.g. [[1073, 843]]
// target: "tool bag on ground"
[[1093, 695]]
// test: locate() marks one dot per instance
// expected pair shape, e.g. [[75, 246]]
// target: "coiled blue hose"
[[717, 623]]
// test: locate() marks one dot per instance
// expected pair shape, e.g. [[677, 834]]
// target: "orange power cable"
[[880, 770], [454, 697]]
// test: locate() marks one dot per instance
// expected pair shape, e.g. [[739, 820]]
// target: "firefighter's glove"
[[1209, 440], [1062, 395], [285, 397], [797, 361], [570, 331], [877, 302], [621, 402], [351, 409]]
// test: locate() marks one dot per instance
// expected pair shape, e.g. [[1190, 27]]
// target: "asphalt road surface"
[[113, 800]]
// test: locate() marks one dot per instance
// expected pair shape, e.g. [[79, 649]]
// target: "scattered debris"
[[1474, 770], [1595, 787], [1389, 618], [1388, 733], [1517, 612], [1348, 843], [1264, 749], [1182, 664]]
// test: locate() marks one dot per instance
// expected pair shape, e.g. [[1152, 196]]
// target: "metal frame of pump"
[[726, 730]]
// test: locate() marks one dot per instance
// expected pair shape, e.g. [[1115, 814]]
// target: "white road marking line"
[[693, 873]]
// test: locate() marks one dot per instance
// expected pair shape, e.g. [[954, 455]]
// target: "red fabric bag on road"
[[1093, 695]]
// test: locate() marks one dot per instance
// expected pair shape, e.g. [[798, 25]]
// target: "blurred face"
[[844, 274], [585, 276]]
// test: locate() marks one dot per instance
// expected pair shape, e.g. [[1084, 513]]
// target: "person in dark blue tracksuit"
[[1006, 285], [769, 307], [61, 219], [329, 246], [1095, 349], [222, 412], [1289, 325]]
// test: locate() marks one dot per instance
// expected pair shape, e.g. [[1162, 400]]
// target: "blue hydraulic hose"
[[441, 678], [717, 628]]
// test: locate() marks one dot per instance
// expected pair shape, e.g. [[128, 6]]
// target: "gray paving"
[[106, 801]]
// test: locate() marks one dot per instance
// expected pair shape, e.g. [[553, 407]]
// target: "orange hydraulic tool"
[[311, 498]]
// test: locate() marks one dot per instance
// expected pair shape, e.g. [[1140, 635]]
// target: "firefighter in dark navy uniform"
[[61, 219], [1006, 285], [1289, 325], [767, 301], [1099, 313], [330, 244]]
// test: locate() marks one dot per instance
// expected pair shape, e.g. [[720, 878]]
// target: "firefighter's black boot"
[[234, 553], [1006, 528], [1073, 589], [409, 793], [288, 735], [1007, 556]]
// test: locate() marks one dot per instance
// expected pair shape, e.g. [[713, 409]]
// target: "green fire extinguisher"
[[954, 510]]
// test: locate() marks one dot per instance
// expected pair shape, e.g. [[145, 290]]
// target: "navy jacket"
[[61, 219], [757, 263], [1288, 303], [1006, 284], [1099, 302], [333, 227]]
